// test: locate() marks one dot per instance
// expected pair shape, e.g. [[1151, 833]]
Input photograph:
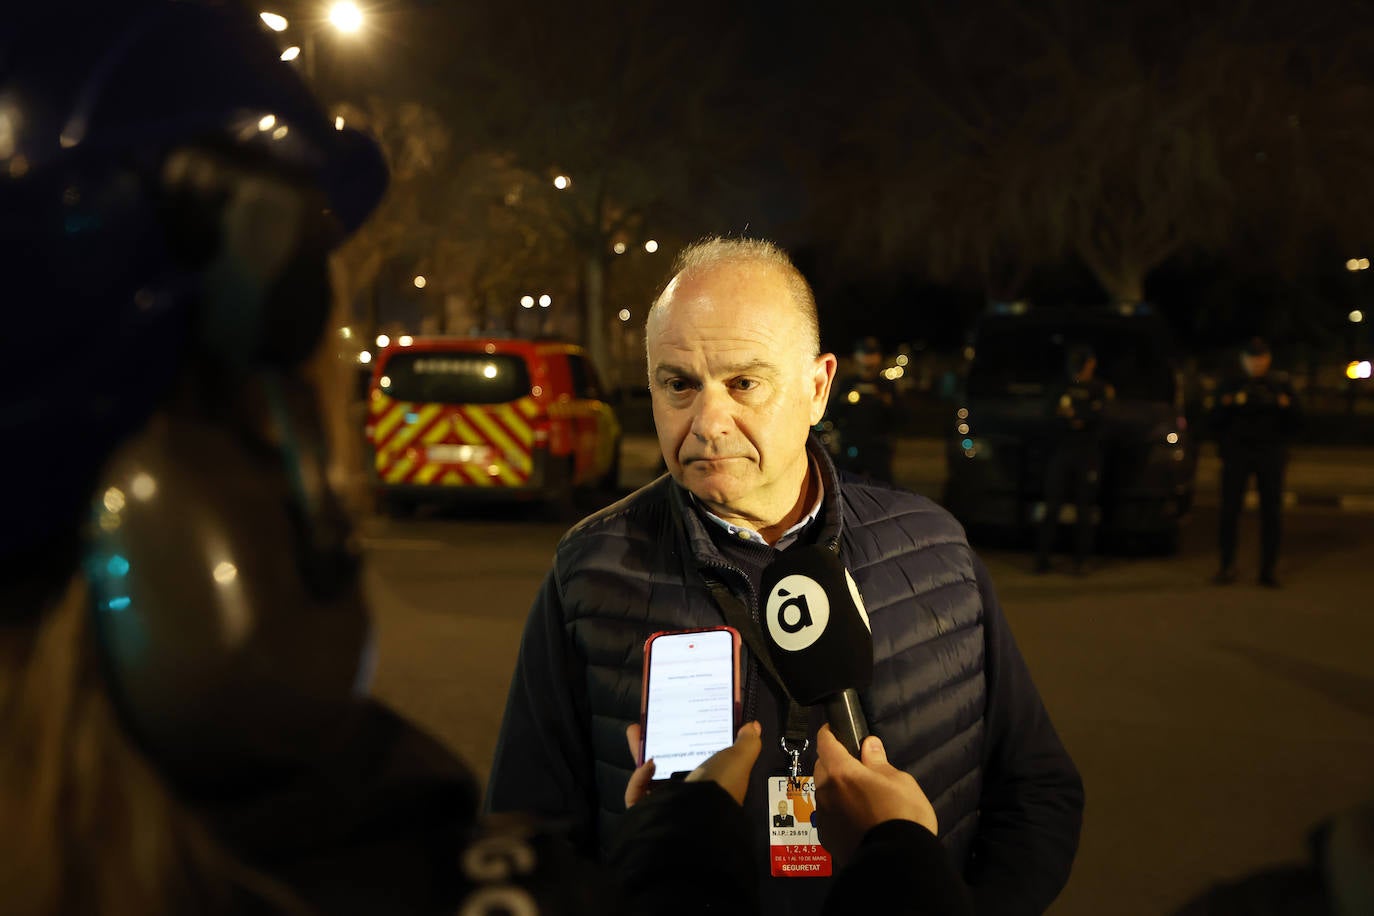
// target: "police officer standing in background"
[[1075, 452], [1253, 417], [865, 412]]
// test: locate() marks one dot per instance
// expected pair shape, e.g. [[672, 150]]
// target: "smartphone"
[[690, 701]]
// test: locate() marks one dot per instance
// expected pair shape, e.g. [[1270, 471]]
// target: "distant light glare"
[[902, 360], [562, 182], [963, 429], [364, 357], [1358, 369], [291, 53], [1172, 438], [274, 22], [624, 314], [852, 397], [114, 499], [279, 132], [618, 247], [346, 17], [338, 123], [383, 340], [385, 381], [545, 301], [420, 281], [405, 340], [225, 573], [1356, 316], [651, 246], [143, 486], [345, 332], [963, 413], [267, 122], [527, 302], [489, 370]]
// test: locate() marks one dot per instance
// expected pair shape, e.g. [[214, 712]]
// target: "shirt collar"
[[788, 536]]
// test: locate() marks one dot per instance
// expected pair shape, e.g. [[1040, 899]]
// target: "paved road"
[[1213, 726]]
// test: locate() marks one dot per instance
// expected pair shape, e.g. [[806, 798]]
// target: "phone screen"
[[689, 703]]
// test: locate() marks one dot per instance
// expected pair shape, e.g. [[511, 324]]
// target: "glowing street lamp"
[[1356, 316], [346, 17], [420, 281], [651, 246], [274, 22], [545, 301], [562, 182]]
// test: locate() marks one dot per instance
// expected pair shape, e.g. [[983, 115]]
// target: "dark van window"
[[455, 378], [584, 380], [1024, 359]]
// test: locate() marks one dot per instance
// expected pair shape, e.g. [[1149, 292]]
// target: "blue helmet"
[[103, 260]]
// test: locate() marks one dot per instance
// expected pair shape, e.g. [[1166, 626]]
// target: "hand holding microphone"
[[854, 796], [818, 636]]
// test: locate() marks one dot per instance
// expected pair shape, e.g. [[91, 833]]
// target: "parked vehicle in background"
[[454, 418], [998, 440]]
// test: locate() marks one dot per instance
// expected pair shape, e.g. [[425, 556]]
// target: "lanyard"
[[794, 741]]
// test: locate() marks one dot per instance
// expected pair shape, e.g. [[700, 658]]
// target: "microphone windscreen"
[[815, 625]]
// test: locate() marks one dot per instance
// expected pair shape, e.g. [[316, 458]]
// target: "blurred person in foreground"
[[738, 379], [184, 649], [1254, 416], [864, 409], [1074, 463]]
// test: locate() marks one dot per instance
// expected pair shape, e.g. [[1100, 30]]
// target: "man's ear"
[[823, 377]]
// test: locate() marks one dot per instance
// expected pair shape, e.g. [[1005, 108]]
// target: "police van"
[[998, 440], [466, 418]]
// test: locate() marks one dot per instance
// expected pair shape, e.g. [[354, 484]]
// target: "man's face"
[[736, 389]]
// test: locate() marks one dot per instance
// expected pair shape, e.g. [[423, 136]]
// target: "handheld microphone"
[[819, 637]]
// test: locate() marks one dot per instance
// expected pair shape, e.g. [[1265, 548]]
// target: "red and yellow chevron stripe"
[[454, 445]]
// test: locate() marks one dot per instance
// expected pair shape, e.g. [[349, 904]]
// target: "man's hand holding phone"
[[728, 768]]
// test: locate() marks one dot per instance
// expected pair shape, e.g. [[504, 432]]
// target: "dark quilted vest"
[[638, 566]]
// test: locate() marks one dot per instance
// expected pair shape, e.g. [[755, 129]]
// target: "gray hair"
[[716, 251]]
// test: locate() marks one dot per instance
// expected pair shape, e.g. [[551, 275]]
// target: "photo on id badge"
[[690, 698]]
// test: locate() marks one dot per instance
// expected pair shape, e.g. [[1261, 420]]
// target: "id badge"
[[794, 846]]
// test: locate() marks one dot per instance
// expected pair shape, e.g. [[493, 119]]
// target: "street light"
[[346, 17]]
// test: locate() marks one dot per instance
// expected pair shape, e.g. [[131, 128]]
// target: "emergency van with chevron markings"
[[459, 417]]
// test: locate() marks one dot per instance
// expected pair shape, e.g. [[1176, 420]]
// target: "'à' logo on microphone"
[[797, 612]]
